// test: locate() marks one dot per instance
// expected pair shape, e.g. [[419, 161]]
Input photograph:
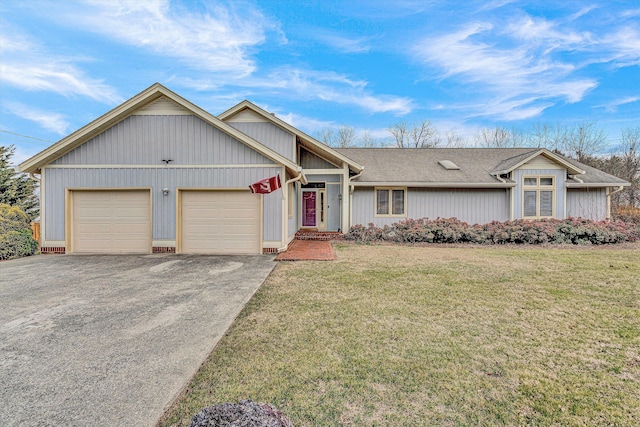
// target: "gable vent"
[[448, 165]]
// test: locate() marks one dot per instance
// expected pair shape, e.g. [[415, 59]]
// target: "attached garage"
[[219, 222], [109, 222]]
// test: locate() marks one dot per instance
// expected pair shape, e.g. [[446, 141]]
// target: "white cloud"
[[333, 87], [27, 65], [342, 43], [625, 46], [514, 69], [48, 120], [612, 106], [219, 40]]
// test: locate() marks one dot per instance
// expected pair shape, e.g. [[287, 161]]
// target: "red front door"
[[308, 208]]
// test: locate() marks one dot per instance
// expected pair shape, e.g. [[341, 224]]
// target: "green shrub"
[[571, 230], [16, 237]]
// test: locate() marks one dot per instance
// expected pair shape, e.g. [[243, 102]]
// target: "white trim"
[[53, 243], [595, 184], [390, 191], [43, 212], [538, 188], [434, 184], [163, 243], [244, 166], [323, 171]]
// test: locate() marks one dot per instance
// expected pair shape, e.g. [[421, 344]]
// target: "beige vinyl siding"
[[148, 139], [110, 222], [219, 222], [590, 203], [164, 207], [475, 206], [309, 160], [270, 135]]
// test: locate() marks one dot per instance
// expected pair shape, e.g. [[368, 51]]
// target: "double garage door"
[[210, 222]]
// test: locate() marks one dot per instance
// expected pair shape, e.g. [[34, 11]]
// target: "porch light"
[[165, 191]]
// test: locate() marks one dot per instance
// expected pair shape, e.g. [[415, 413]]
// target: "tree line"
[[585, 142]]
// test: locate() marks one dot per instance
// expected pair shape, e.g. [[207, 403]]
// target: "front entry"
[[309, 208]]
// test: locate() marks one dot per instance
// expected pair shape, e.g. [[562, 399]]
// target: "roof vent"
[[448, 165]]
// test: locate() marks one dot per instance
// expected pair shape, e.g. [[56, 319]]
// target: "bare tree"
[[420, 135], [631, 163], [455, 140], [367, 140], [343, 137], [346, 136], [552, 137], [494, 138], [585, 140]]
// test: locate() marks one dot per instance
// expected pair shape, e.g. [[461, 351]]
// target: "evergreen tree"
[[16, 189]]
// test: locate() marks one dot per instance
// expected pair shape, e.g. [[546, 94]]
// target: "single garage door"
[[111, 222], [220, 222]]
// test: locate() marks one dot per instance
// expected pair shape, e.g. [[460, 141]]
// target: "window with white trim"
[[391, 201], [538, 197]]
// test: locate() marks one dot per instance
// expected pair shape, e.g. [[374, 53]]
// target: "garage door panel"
[[111, 222], [219, 222]]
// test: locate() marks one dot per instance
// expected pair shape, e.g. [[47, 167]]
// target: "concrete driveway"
[[111, 340]]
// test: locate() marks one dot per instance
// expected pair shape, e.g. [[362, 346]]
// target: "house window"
[[391, 201], [538, 199]]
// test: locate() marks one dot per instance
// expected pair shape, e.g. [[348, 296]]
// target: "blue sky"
[[319, 64]]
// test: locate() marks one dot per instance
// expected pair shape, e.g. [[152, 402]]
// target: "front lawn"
[[398, 335]]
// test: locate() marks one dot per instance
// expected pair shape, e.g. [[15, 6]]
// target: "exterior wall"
[[590, 203], [309, 160], [333, 206], [147, 140], [560, 177], [333, 190], [292, 226], [164, 207], [475, 206], [274, 137]]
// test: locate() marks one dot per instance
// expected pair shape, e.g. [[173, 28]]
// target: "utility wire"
[[26, 136]]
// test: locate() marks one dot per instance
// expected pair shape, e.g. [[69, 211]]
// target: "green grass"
[[398, 335]]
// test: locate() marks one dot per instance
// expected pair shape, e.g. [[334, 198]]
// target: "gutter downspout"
[[351, 188], [609, 194], [285, 199], [33, 177]]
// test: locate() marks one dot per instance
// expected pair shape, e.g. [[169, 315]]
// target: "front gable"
[[145, 139], [541, 162], [264, 131], [161, 104]]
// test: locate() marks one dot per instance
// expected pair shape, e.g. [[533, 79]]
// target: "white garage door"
[[111, 222], [220, 222]]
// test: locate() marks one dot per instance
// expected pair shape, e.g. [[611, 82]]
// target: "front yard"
[[398, 335]]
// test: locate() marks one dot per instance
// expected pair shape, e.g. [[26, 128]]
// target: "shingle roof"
[[419, 166]]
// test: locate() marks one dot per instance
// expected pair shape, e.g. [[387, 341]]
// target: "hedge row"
[[16, 237], [572, 230]]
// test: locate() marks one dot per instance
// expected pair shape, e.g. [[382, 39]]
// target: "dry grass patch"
[[398, 335]]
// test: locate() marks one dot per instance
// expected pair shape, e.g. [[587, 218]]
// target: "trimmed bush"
[[16, 237], [577, 231]]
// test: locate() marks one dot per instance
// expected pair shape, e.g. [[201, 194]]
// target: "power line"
[[26, 136]]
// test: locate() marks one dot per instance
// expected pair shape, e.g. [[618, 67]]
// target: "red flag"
[[266, 186]]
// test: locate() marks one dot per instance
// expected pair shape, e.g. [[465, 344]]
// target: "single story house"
[[160, 174]]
